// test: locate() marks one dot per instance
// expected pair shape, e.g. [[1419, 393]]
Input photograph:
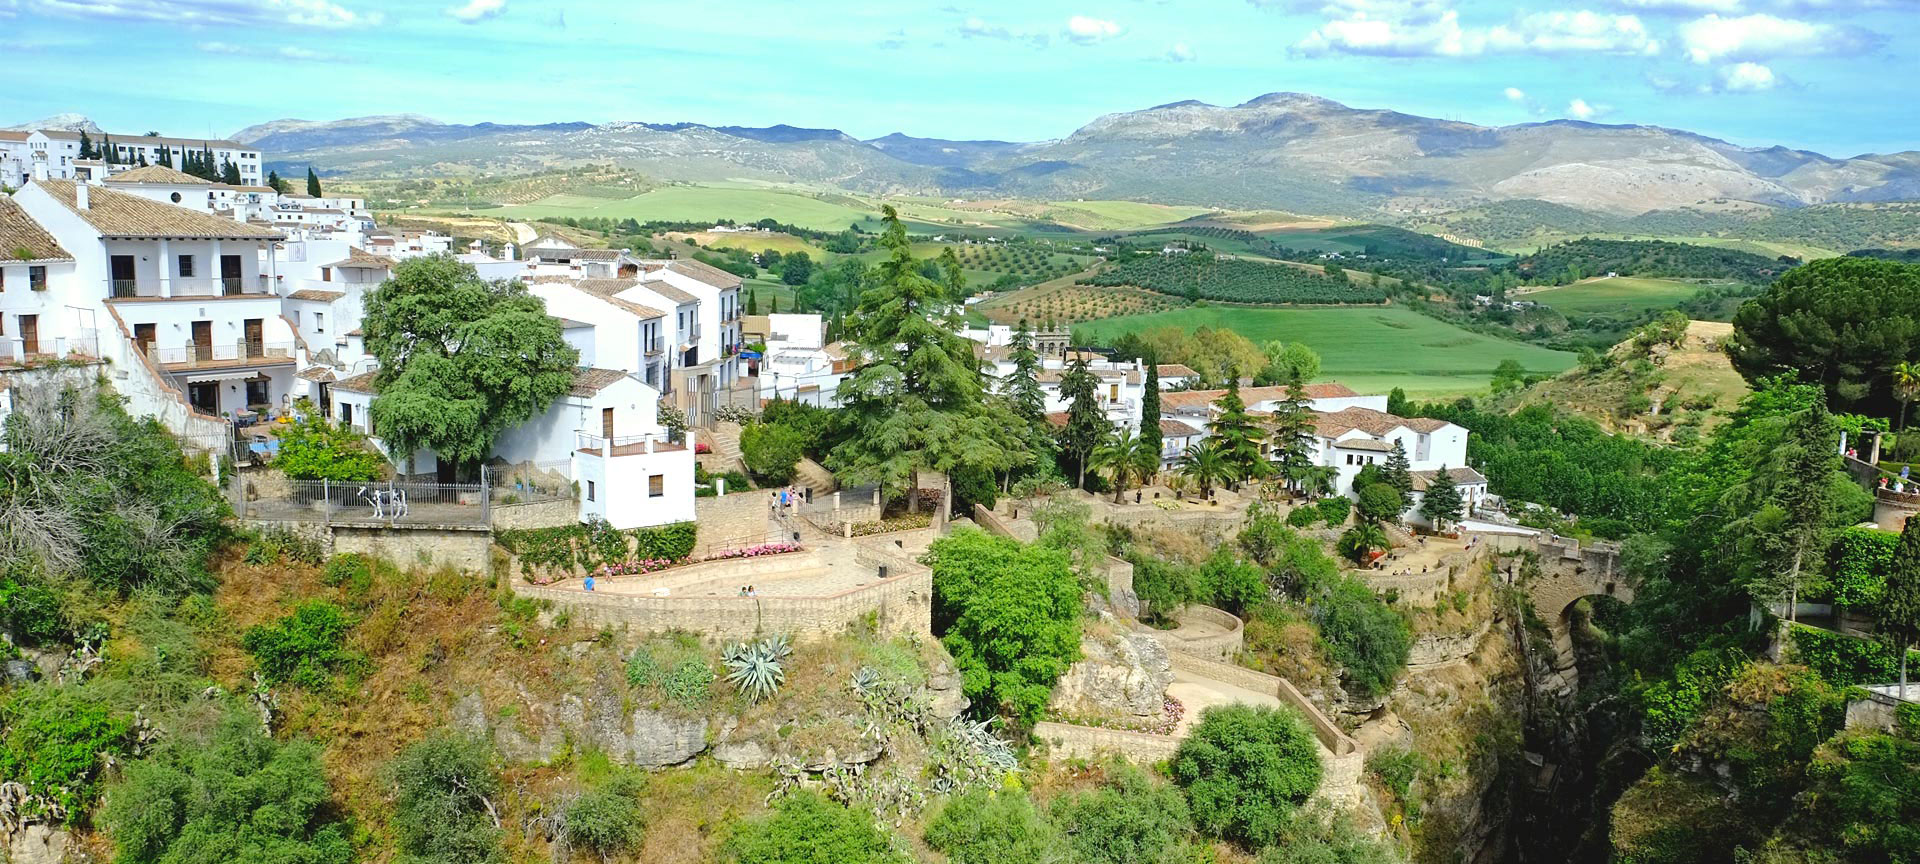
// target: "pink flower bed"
[[702, 447], [633, 568], [759, 551]]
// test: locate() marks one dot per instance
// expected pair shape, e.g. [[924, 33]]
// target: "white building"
[[39, 154], [798, 364], [186, 294], [37, 280]]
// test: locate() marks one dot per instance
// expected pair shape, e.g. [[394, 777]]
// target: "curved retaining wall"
[[1217, 646]]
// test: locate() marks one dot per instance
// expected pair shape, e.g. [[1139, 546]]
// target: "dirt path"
[[1198, 694]]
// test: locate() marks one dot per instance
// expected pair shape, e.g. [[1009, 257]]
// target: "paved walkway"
[[1198, 694]]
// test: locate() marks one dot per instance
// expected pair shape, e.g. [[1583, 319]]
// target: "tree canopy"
[[1010, 616], [918, 399], [1843, 323], [462, 359], [1246, 769]]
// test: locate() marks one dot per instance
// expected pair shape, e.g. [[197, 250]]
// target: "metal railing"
[[623, 445], [244, 352], [15, 351], [393, 503], [225, 286]]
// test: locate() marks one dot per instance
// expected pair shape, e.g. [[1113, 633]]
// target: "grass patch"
[[1616, 299], [1366, 349]]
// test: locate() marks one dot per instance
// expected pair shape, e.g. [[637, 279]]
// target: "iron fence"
[[393, 502]]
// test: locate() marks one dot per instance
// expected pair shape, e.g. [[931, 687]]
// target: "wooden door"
[[143, 336], [30, 334], [203, 340], [256, 337], [122, 275], [606, 424], [230, 273]]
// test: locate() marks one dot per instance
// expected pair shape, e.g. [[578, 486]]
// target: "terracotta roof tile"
[[361, 383], [118, 214], [1462, 476], [609, 290], [362, 259], [587, 380], [1175, 370], [159, 174], [317, 295], [19, 233], [705, 272]]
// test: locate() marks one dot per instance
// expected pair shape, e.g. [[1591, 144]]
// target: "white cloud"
[[284, 52], [1684, 7], [1181, 52], [1087, 31], [1432, 28], [1759, 37], [476, 11], [1515, 94], [1581, 109], [232, 13], [1745, 77], [1574, 32]]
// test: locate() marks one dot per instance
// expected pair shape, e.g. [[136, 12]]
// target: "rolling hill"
[[1283, 150]]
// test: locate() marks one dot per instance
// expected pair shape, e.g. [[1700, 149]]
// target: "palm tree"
[[1206, 466], [1361, 539], [1906, 386], [1126, 458]]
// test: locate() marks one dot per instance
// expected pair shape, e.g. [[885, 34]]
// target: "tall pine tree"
[[1294, 438], [1087, 425], [86, 146], [1399, 472], [313, 182], [229, 172], [918, 399], [1237, 436], [278, 185], [1898, 614], [106, 150], [1441, 504], [1022, 385]]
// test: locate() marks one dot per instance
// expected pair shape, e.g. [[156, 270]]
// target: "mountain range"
[[1287, 151]]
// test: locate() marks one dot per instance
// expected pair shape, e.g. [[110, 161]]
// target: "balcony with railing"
[[196, 289], [20, 352], [231, 355], [654, 347], [624, 445]]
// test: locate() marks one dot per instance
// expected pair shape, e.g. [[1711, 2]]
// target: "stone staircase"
[[725, 439], [1398, 535], [813, 475]]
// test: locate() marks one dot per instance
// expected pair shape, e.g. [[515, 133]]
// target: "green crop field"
[[1618, 297], [1370, 349], [1769, 248], [699, 203], [1121, 215]]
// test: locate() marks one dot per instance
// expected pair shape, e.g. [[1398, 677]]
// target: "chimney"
[[80, 195]]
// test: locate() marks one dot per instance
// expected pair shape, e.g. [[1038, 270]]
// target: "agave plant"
[[754, 668]]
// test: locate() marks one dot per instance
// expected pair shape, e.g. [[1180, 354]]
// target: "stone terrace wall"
[[463, 548], [534, 514], [1334, 740], [1218, 646], [901, 605], [1089, 742]]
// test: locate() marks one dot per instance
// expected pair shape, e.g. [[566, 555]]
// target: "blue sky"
[[1830, 75]]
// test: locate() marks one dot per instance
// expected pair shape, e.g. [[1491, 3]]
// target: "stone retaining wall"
[[901, 605], [465, 548], [534, 514], [1089, 742], [1331, 737], [1433, 649], [1220, 646]]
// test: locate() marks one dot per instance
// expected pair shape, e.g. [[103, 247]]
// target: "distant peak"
[[1287, 99], [1184, 103]]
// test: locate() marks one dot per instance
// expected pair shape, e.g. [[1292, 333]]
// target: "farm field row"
[[1615, 297], [1769, 248], [1371, 349]]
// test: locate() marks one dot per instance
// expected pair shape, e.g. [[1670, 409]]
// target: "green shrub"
[[271, 804], [445, 791], [1844, 660], [1670, 706], [1860, 559], [808, 829], [54, 739], [1305, 840], [30, 608], [1302, 517], [1245, 770], [313, 448], [1334, 509], [772, 451], [350, 569], [306, 648], [1230, 583], [1163, 586], [1009, 614], [1127, 820], [1361, 633], [607, 819], [994, 827], [673, 542]]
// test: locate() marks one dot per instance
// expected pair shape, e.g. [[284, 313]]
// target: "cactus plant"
[[754, 668]]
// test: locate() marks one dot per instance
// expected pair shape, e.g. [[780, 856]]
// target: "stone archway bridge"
[[1569, 570]]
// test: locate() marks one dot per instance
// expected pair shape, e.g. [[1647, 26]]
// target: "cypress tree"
[[106, 149], [313, 182], [86, 146], [1087, 427], [278, 185], [1899, 609], [1150, 409], [753, 301], [229, 172]]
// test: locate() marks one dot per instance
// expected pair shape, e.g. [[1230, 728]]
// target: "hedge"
[[1847, 660], [586, 547], [1861, 557]]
